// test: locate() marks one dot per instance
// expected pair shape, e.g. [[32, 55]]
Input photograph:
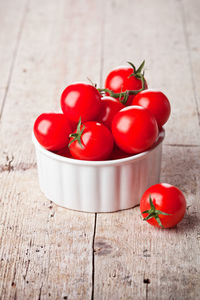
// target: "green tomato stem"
[[154, 213], [123, 96], [77, 135]]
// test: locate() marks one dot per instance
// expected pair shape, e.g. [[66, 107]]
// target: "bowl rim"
[[110, 162]]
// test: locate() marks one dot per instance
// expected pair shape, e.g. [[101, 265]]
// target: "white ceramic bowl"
[[98, 186]]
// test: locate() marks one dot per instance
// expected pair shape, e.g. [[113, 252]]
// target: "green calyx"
[[77, 135], [137, 73], [123, 96], [154, 213]]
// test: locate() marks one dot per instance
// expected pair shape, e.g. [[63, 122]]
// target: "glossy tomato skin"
[[119, 80], [80, 100], [156, 102], [166, 198], [109, 107], [134, 129], [96, 140], [52, 130]]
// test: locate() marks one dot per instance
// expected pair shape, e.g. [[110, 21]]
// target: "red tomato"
[[52, 131], [64, 152], [109, 107], [163, 205], [80, 100], [118, 153], [91, 141], [134, 129], [119, 80], [156, 102]]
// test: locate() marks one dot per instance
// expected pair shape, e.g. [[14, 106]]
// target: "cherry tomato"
[[120, 80], [80, 100], [134, 129], [52, 130], [156, 102], [64, 152], [117, 153], [163, 205], [109, 107], [91, 141]]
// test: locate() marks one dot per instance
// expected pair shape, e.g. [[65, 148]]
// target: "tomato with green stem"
[[122, 79], [163, 205], [91, 141]]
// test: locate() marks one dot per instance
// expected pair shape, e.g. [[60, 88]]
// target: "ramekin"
[[98, 186]]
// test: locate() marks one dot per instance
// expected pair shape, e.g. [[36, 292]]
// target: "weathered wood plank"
[[12, 14], [178, 265], [191, 23], [48, 61], [132, 259], [45, 251], [136, 261], [153, 30]]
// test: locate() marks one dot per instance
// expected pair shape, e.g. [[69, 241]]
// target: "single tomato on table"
[[125, 78], [91, 141], [163, 205], [134, 129], [80, 99], [156, 102], [109, 107], [52, 130]]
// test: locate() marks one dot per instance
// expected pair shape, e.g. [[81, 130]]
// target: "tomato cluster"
[[119, 120]]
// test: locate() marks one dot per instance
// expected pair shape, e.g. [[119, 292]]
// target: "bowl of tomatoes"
[[104, 150]]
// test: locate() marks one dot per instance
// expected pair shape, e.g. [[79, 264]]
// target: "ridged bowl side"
[[98, 188]]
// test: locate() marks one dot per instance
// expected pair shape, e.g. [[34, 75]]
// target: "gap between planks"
[[182, 145], [93, 256], [13, 60], [103, 21]]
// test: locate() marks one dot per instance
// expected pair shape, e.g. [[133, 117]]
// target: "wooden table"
[[47, 252]]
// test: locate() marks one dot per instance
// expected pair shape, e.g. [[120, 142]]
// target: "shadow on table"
[[181, 167]]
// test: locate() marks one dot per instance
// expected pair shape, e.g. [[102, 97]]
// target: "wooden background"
[[47, 252]]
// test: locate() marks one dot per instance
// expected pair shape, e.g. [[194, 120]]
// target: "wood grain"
[[153, 30], [191, 23], [47, 252], [132, 260], [135, 261], [12, 16]]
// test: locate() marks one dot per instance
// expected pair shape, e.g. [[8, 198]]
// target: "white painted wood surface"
[[47, 252]]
